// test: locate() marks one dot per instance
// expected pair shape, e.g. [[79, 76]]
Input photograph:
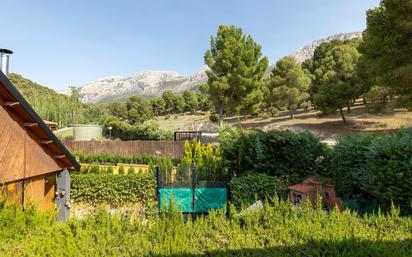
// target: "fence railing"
[[174, 149]]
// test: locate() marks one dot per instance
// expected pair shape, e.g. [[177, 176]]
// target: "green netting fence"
[[192, 195]]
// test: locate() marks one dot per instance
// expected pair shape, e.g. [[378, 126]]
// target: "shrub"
[[130, 170], [276, 153], [94, 169], [121, 170], [213, 118], [375, 166], [148, 130], [109, 170], [278, 229], [205, 159], [377, 99], [111, 189], [84, 168], [248, 188], [347, 161], [108, 158]]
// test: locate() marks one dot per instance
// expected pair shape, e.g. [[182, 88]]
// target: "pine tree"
[[288, 85], [387, 47], [337, 77], [236, 70]]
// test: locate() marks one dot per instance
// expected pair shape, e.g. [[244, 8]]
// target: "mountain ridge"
[[154, 83]]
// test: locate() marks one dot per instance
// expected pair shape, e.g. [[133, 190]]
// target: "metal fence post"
[[158, 186], [63, 195]]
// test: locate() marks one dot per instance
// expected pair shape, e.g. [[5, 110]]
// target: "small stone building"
[[310, 189], [34, 164]]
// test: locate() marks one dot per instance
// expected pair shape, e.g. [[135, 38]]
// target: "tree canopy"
[[191, 101], [138, 109], [334, 76], [387, 47], [287, 86], [236, 70]]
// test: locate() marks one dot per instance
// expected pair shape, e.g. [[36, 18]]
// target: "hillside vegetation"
[[56, 107]]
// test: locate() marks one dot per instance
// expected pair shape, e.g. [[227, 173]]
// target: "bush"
[[108, 158], [109, 170], [130, 170], [121, 170], [213, 118], [205, 159], [248, 188], [375, 166], [94, 169], [113, 190], [103, 170], [148, 130], [278, 229], [276, 153], [347, 161], [377, 99]]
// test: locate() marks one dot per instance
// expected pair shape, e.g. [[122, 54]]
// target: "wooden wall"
[[164, 148], [21, 155], [39, 190]]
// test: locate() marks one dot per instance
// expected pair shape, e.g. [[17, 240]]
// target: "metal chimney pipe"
[[4, 57]]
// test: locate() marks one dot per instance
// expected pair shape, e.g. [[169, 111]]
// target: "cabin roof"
[[302, 187], [15, 102]]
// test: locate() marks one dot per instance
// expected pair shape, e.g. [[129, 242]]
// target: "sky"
[[68, 43]]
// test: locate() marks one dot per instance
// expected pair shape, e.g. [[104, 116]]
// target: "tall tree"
[[288, 85], [387, 47], [158, 105], [312, 66], [203, 99], [118, 110], [191, 101], [139, 109], [168, 98], [236, 70], [75, 106], [337, 79], [178, 104]]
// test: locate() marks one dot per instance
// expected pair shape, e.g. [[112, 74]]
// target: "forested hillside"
[[56, 107]]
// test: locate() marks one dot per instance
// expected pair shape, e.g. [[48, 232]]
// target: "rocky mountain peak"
[[154, 83], [306, 52]]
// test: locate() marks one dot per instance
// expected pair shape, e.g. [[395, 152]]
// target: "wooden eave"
[[30, 120]]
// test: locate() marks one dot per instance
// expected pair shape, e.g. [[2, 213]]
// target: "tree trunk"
[[364, 100], [348, 107], [221, 115], [292, 116], [342, 115]]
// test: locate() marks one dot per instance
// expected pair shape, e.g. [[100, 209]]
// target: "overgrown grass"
[[278, 229]]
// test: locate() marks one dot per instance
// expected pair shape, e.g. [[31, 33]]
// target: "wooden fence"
[[161, 148]]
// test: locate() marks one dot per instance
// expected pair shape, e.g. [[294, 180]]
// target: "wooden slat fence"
[[163, 148]]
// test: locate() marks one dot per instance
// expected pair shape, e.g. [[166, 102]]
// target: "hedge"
[[114, 190], [276, 153], [248, 188], [108, 158], [376, 166], [278, 229]]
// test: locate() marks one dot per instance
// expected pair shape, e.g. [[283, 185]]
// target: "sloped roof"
[[15, 102], [302, 187]]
